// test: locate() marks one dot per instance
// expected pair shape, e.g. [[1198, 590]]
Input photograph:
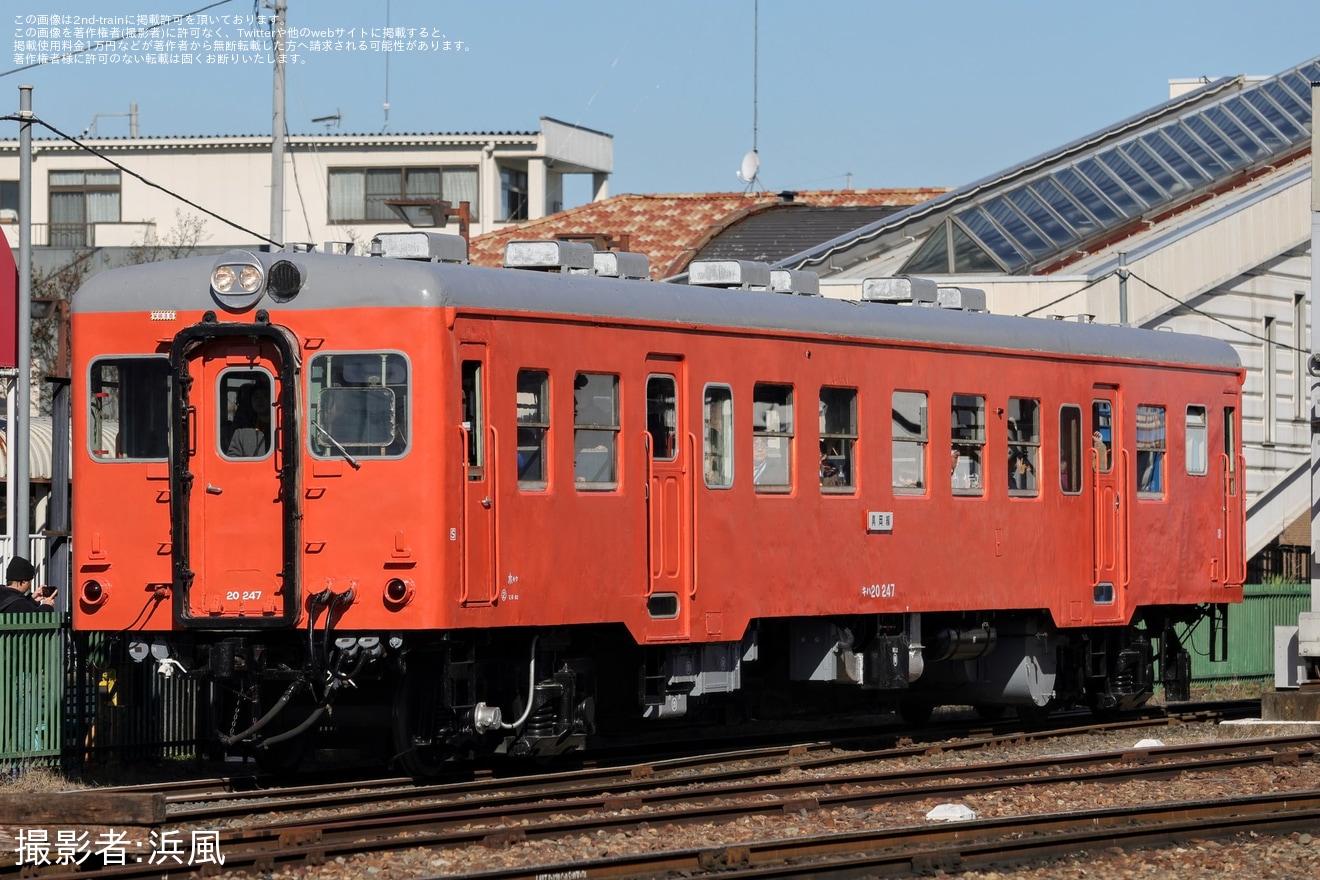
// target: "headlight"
[[238, 280], [222, 279]]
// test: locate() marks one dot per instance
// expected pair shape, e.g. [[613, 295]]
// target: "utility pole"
[[19, 429], [277, 132]]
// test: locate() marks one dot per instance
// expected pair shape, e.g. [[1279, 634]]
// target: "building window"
[[1023, 445], [838, 438], [1070, 450], [1197, 449], [717, 451], [533, 427], [513, 195], [910, 437], [8, 200], [1151, 445], [358, 195], [79, 199], [595, 431], [1270, 369], [772, 437], [359, 405], [129, 414], [967, 421]]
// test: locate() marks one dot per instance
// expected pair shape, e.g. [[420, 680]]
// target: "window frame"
[[1071, 446], [971, 439], [724, 457], [84, 236], [846, 453], [403, 193], [1159, 447], [318, 448], [222, 441], [1027, 449], [95, 398], [782, 431], [611, 428], [539, 428], [1204, 430], [920, 441]]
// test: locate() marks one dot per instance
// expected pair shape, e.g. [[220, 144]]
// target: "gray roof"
[[343, 282]]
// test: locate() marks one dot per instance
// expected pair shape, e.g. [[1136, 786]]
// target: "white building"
[[335, 185]]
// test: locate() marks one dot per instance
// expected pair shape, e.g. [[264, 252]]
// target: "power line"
[[1217, 320], [103, 43], [1089, 284], [132, 173]]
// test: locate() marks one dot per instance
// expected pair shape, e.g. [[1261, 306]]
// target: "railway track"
[[680, 792]]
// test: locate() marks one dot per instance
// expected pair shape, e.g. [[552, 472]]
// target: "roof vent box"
[[567, 257], [731, 274], [435, 247], [799, 281], [967, 299], [901, 289], [622, 264]]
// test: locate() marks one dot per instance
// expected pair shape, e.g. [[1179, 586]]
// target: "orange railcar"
[[518, 508]]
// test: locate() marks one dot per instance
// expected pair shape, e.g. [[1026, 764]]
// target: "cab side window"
[[1197, 448], [359, 404], [129, 408]]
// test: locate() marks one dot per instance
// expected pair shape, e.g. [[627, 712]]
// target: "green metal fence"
[[32, 687], [68, 698], [1250, 635]]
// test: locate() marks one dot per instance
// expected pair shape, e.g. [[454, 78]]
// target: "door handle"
[[213, 490], [485, 502]]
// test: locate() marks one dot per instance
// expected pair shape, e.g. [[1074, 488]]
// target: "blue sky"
[[894, 94]]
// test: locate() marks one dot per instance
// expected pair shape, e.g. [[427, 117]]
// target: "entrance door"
[[670, 469], [235, 530], [478, 524], [1109, 466]]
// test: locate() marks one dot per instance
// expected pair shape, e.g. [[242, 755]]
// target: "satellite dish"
[[751, 163]]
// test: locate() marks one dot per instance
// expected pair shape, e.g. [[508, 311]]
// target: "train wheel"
[[419, 716], [915, 710], [1033, 714]]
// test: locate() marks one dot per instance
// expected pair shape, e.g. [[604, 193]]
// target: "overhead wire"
[[68, 137], [1216, 319], [1092, 283]]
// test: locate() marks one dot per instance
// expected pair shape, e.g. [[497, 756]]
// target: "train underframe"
[[460, 695]]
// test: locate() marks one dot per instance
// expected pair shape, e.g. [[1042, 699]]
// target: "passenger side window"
[[359, 405], [1197, 442], [1023, 446], [967, 420], [595, 431], [1151, 446], [1070, 449], [838, 438], [909, 440], [772, 437], [533, 428], [717, 450]]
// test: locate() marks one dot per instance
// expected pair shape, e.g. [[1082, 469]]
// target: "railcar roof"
[[347, 282]]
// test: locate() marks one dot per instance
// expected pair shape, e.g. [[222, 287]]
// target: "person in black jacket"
[[16, 597]]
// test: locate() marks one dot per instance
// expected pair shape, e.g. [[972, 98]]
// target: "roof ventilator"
[[900, 290], [799, 281], [564, 257], [729, 274], [433, 247], [966, 299], [622, 264]]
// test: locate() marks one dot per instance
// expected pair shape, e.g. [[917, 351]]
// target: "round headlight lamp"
[[222, 279], [238, 280]]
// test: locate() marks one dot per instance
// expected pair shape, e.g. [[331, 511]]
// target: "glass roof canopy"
[[1047, 216], [1032, 215]]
